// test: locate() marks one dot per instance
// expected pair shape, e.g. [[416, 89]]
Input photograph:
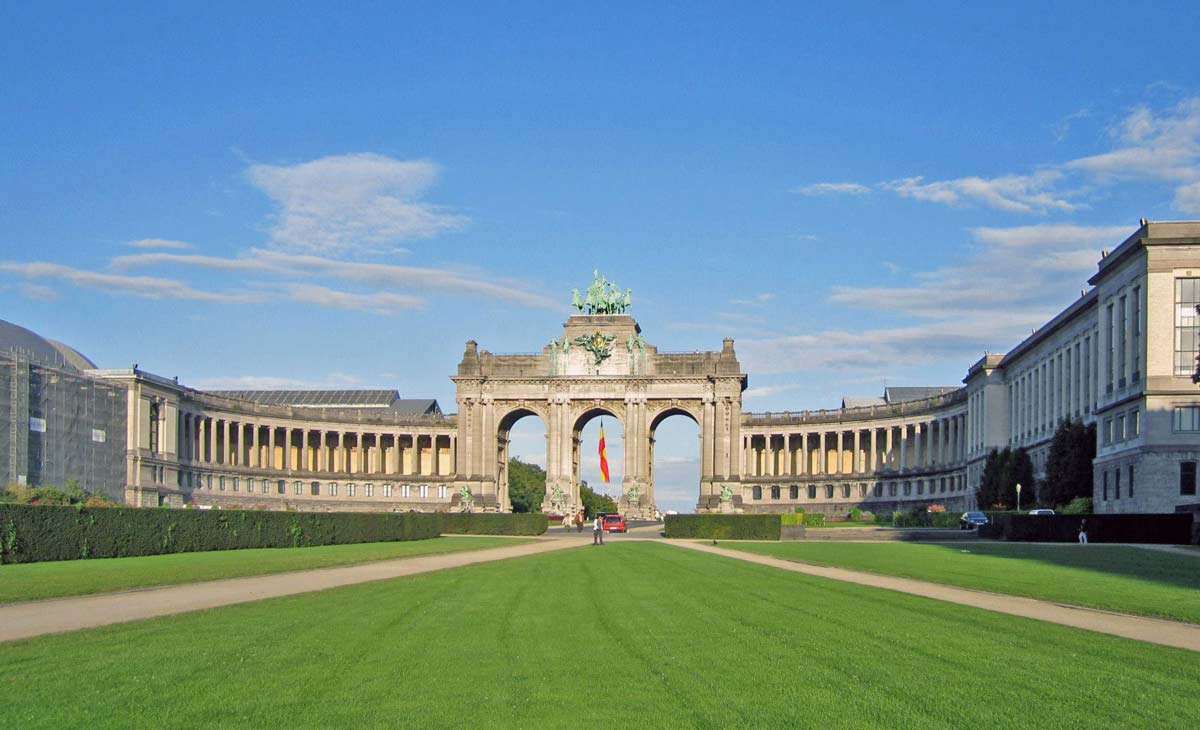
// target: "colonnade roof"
[[384, 399], [944, 397]]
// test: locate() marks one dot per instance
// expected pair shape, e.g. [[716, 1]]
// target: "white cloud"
[[828, 188], [348, 204], [1164, 147], [385, 276], [1016, 193], [379, 302], [1187, 198], [141, 286], [39, 292], [766, 390], [159, 243], [754, 301], [1013, 280]]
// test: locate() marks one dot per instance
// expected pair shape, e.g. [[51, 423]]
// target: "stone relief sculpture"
[[597, 343], [603, 297], [557, 498], [726, 493], [466, 498], [635, 495]]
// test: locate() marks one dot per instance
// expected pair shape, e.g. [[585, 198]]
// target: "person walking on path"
[[579, 521], [1083, 532], [598, 531]]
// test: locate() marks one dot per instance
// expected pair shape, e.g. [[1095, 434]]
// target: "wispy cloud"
[[347, 204], [1148, 145], [380, 302], [1013, 280], [159, 243], [39, 292], [148, 287], [755, 301], [385, 276], [834, 188]]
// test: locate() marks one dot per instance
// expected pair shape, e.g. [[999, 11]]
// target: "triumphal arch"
[[600, 365]]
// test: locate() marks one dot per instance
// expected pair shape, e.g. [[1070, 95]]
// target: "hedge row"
[[469, 523], [725, 527], [1170, 529], [35, 533]]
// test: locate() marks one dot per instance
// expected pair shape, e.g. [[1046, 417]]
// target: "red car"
[[615, 523]]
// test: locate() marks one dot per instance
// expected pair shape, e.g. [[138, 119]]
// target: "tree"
[[526, 486], [593, 502], [1069, 464], [1003, 470]]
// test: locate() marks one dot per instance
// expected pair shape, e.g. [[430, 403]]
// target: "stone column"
[[857, 450], [787, 454], [271, 447], [839, 463], [874, 461], [954, 440], [903, 446], [822, 456]]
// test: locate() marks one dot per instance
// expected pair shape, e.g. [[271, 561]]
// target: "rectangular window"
[[878, 490], [920, 487], [1105, 480], [1135, 423], [845, 491], [1120, 433], [794, 492], [441, 491], [221, 481], [1187, 478], [907, 489], [297, 488], [774, 492], [829, 491], [154, 431], [404, 490], [280, 487], [1111, 333], [236, 482], [266, 487], [314, 489], [1117, 482], [892, 489], [1187, 296], [1131, 480], [387, 490], [424, 491], [99, 436], [1108, 431], [756, 492], [1135, 334], [350, 489], [812, 491], [1122, 313], [1187, 418], [368, 490]]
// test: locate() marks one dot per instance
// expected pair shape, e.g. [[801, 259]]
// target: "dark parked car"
[[971, 520]]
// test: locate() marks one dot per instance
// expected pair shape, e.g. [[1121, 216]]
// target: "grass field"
[[31, 581], [640, 635], [1113, 577]]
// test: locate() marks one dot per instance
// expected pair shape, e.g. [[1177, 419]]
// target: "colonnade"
[[211, 440], [854, 450]]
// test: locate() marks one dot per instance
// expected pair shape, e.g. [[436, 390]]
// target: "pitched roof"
[[862, 401], [388, 399], [902, 394]]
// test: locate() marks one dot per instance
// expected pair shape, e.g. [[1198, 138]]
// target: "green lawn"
[[30, 581], [631, 635], [1113, 577]]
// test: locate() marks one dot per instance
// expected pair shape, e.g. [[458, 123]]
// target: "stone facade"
[[1120, 356]]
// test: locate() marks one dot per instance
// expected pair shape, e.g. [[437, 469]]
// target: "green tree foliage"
[[526, 486], [1002, 471], [73, 494], [1069, 464], [594, 503]]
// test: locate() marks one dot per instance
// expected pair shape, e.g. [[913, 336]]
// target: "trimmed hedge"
[[1169, 529], [34, 533], [470, 523], [814, 519], [724, 527]]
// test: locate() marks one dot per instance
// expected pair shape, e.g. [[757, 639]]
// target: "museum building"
[[1121, 356]]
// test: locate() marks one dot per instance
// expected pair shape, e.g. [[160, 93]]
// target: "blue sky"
[[342, 196]]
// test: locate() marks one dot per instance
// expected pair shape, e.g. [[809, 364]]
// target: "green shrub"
[[1077, 506], [855, 514], [35, 533], [816, 519], [792, 518], [469, 523], [723, 527]]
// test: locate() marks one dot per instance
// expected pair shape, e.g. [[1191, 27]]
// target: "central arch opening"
[[585, 460]]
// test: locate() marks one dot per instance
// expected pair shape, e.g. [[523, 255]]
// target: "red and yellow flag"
[[603, 455]]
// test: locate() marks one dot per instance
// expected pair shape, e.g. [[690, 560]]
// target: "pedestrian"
[[566, 521], [598, 531], [579, 521], [1083, 532]]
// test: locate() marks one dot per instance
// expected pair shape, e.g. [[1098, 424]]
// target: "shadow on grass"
[[1181, 571]]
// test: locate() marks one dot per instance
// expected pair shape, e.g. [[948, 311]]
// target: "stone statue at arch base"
[[726, 500], [634, 505]]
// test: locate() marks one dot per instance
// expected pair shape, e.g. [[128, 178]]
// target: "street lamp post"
[[1018, 496]]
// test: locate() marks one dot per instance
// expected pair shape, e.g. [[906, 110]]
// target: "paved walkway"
[[23, 620], [1155, 631]]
